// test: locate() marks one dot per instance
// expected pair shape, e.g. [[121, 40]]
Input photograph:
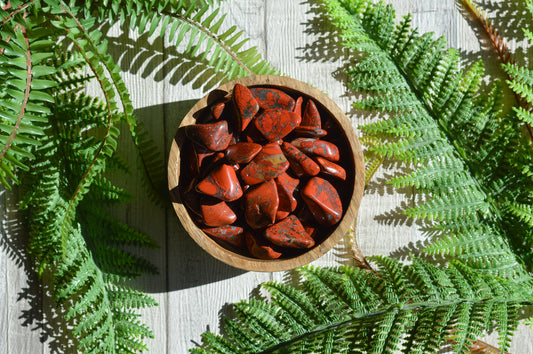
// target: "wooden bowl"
[[351, 160]]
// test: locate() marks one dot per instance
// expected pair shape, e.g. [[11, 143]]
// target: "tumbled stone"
[[242, 152], [298, 106], [289, 232], [247, 106], [275, 124], [311, 117], [260, 205], [217, 214], [217, 109], [296, 157], [221, 183], [331, 168], [317, 147], [323, 201], [268, 164], [259, 249], [286, 186], [214, 136], [269, 98], [310, 132], [201, 154], [229, 233]]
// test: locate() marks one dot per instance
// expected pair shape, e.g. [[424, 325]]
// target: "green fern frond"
[[350, 310], [469, 160]]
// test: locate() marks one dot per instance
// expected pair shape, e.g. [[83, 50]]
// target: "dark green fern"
[[413, 308], [470, 159]]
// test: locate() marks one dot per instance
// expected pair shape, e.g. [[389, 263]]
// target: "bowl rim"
[[261, 265]]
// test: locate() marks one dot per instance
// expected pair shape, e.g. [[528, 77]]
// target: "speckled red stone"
[[317, 147], [201, 153], [221, 183], [242, 152], [311, 117], [286, 186], [259, 249], [229, 233], [217, 214], [270, 98], [310, 132], [303, 162], [214, 136], [331, 168], [217, 109], [298, 106], [275, 124], [268, 164], [289, 232], [247, 106], [260, 205], [323, 201]]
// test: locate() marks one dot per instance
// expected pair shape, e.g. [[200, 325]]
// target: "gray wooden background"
[[193, 289]]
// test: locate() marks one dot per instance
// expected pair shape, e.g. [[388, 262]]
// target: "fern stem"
[[499, 45], [212, 35], [16, 11], [26, 94]]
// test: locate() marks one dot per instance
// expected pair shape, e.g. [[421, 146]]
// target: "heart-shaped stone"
[[331, 168], [221, 183], [299, 161], [217, 213], [259, 249], [247, 106], [214, 136], [268, 164], [323, 201], [261, 204], [317, 147], [289, 232], [275, 124], [242, 152], [229, 233], [270, 98]]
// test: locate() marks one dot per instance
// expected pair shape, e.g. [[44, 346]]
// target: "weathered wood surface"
[[193, 289]]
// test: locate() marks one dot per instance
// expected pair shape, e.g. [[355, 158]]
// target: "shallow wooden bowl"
[[351, 160]]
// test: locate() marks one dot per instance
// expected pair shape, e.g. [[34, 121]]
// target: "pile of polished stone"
[[251, 186]]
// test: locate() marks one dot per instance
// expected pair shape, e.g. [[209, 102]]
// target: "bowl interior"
[[340, 132]]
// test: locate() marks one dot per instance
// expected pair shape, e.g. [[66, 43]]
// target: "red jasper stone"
[[214, 136], [323, 201], [242, 152], [260, 205], [229, 233], [298, 106], [217, 214], [311, 117], [217, 109], [296, 157], [275, 124], [269, 98], [201, 153], [289, 232], [311, 132], [259, 249], [247, 105], [268, 164], [221, 183], [286, 186], [317, 147], [331, 168]]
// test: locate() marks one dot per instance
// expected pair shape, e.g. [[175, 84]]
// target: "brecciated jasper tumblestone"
[[275, 124], [323, 201], [260, 172], [268, 164], [289, 232], [261, 204], [221, 183], [214, 136]]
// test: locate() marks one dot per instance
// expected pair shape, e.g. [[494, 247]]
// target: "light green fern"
[[413, 308]]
